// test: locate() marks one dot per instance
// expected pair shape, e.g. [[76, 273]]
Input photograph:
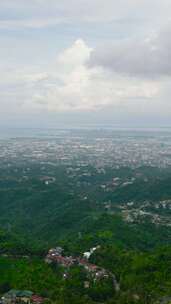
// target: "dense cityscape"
[[97, 148]]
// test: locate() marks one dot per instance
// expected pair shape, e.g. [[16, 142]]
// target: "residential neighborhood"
[[55, 255], [14, 296]]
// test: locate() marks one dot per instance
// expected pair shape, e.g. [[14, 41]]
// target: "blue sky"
[[81, 62]]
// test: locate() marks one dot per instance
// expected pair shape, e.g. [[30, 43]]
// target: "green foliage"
[[143, 277], [70, 212]]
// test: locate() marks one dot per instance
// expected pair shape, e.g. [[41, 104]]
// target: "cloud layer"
[[147, 58], [43, 13], [121, 63], [73, 85]]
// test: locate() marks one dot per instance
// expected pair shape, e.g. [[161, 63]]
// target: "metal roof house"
[[17, 296]]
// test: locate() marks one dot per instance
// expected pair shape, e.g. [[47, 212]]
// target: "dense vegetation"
[[143, 277], [70, 211], [46, 214]]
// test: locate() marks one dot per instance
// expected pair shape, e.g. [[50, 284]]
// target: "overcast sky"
[[85, 62]]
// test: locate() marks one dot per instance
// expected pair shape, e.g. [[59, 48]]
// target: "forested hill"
[[128, 207], [81, 201]]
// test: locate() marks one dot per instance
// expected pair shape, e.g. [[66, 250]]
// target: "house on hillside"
[[21, 297], [17, 296], [55, 256], [35, 299]]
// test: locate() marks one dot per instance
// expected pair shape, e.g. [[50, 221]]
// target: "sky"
[[85, 62]]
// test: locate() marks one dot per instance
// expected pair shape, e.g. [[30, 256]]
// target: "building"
[[17, 296], [35, 299], [21, 296]]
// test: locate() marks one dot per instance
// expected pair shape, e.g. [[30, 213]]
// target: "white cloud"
[[77, 55], [72, 85]]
